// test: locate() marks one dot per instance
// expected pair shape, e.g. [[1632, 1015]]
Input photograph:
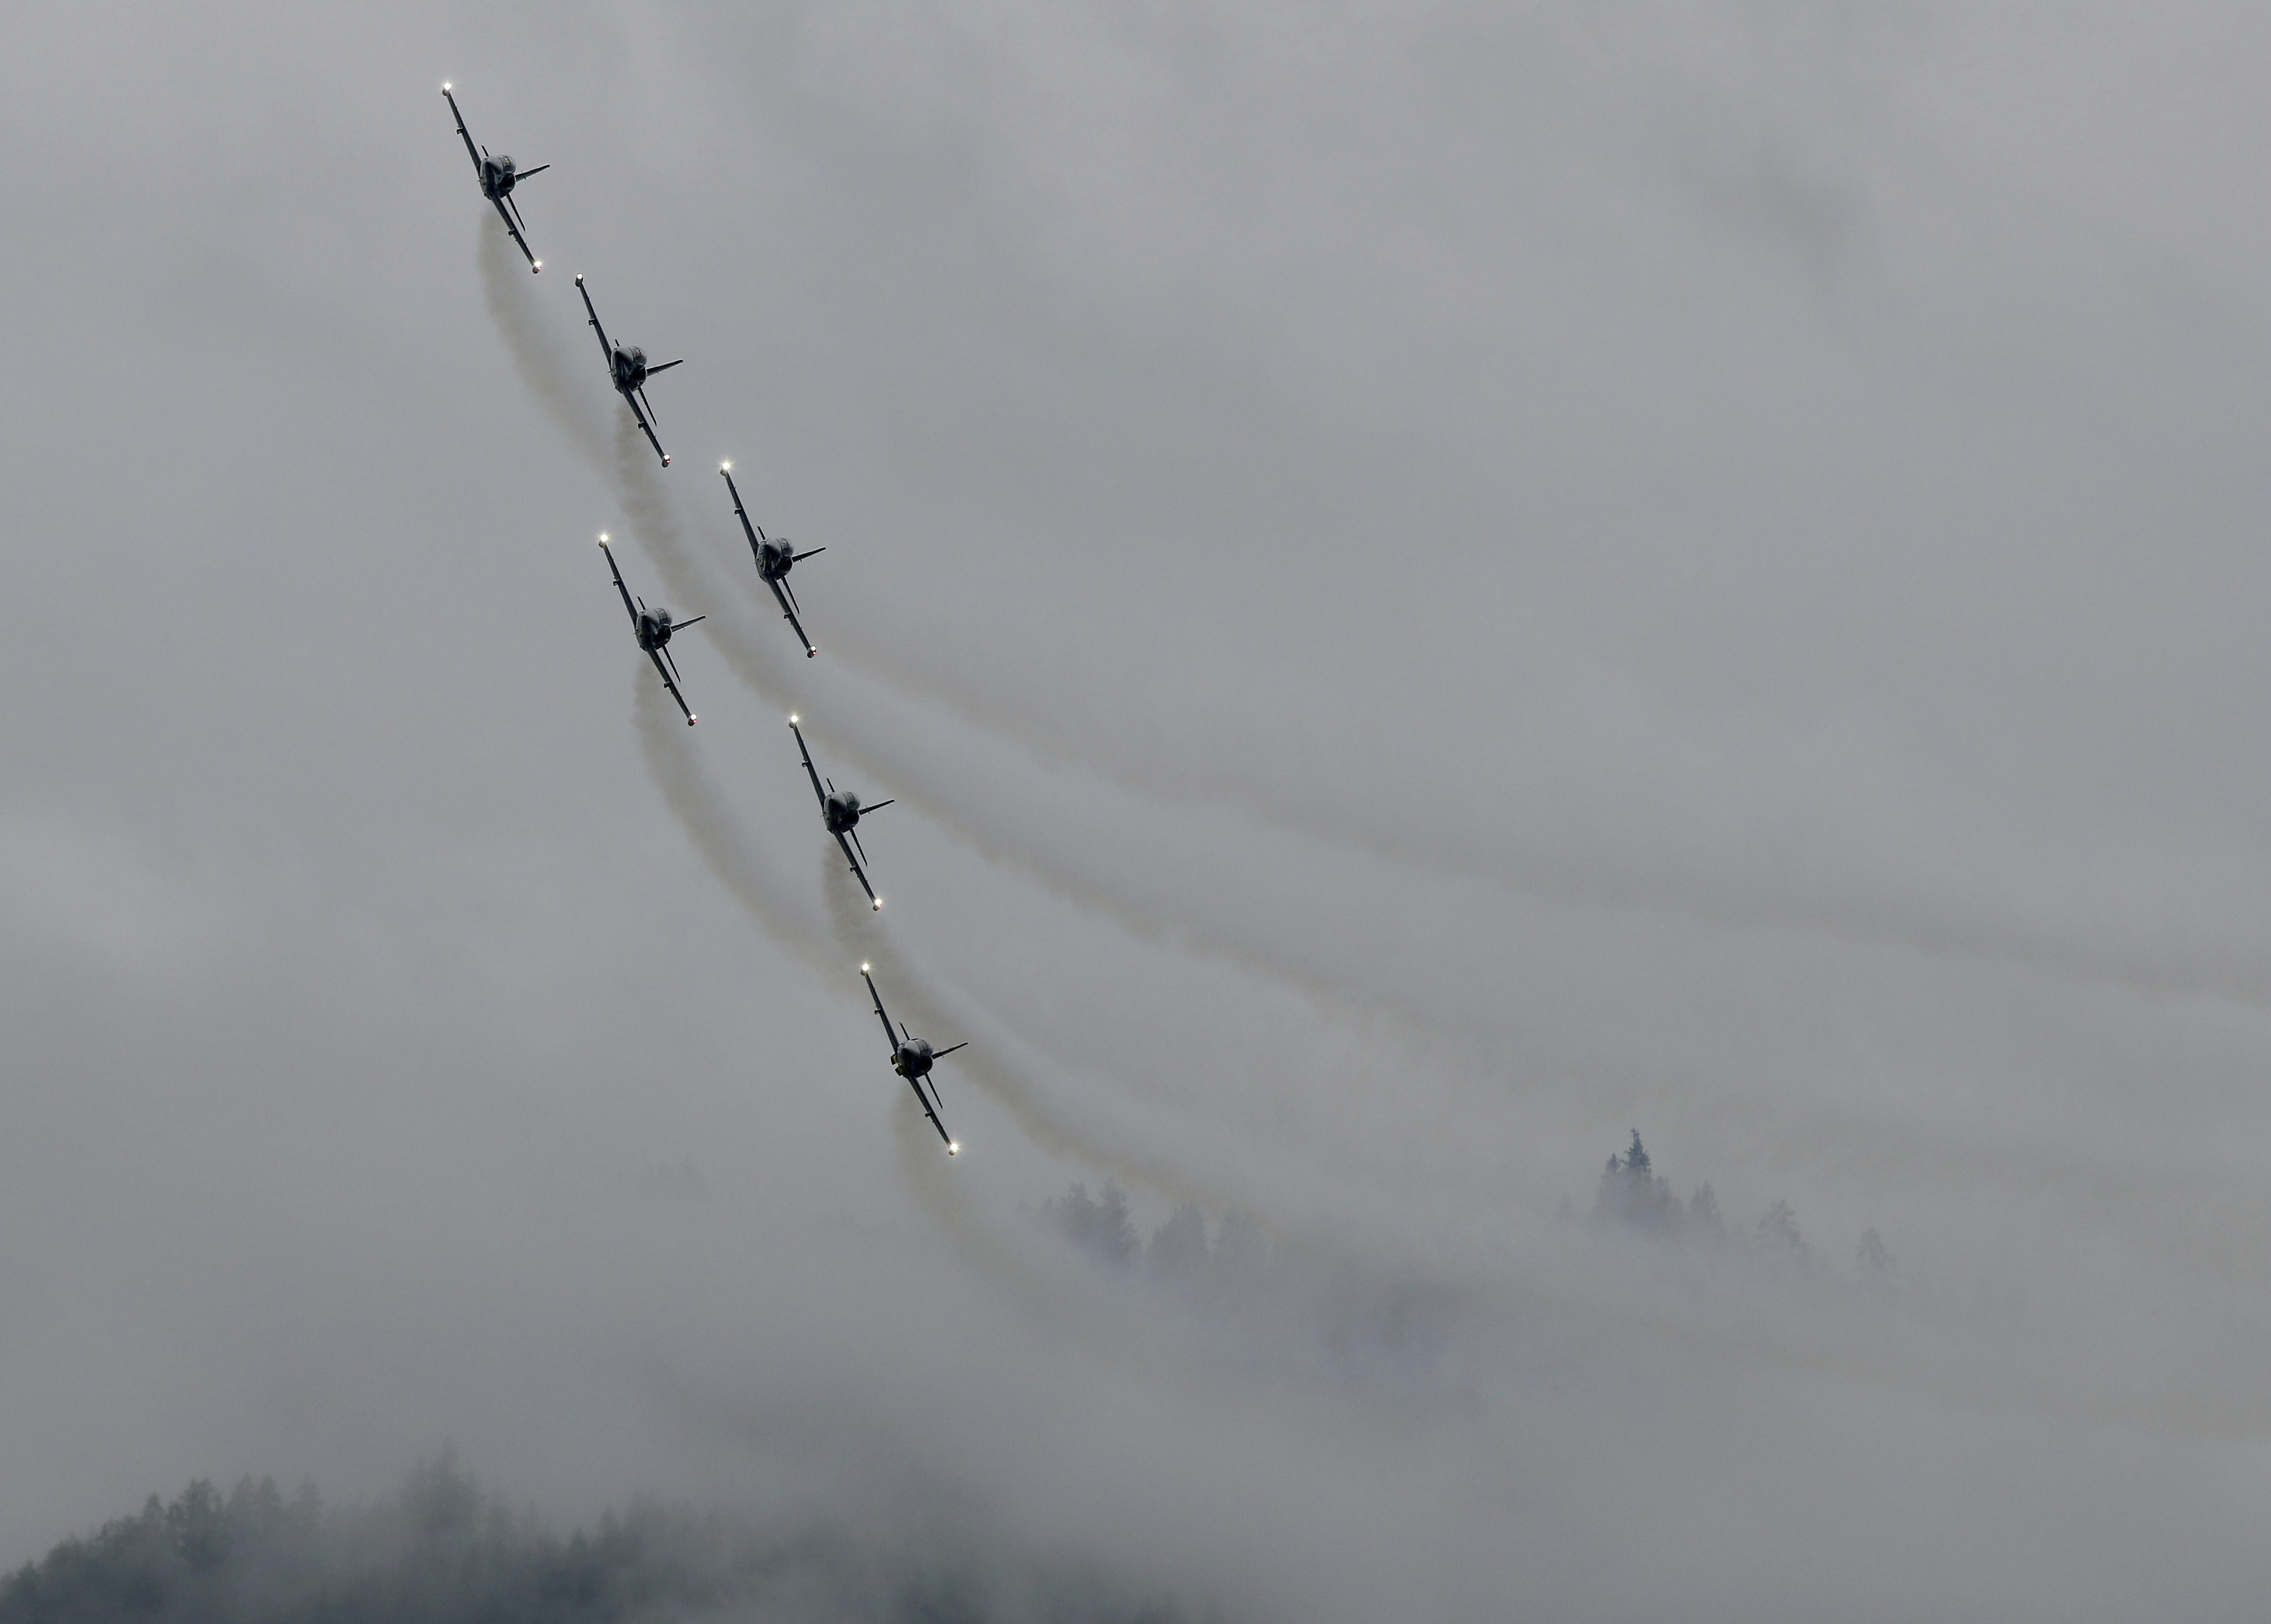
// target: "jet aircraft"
[[498, 177], [652, 628], [628, 370], [774, 561], [912, 1058], [841, 811]]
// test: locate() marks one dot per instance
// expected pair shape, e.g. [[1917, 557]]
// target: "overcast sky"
[[1435, 583]]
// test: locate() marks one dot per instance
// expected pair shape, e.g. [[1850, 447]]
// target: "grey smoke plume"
[[539, 358], [2216, 1223], [674, 760], [2149, 970], [993, 1062]]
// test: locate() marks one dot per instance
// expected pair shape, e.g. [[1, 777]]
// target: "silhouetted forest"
[[441, 1550], [1239, 1269]]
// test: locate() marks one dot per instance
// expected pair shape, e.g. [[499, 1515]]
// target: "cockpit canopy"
[[500, 169]]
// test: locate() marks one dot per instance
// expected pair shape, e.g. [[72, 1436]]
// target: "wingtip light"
[[878, 903], [665, 460], [725, 467], [953, 1148], [864, 968], [445, 87], [535, 264]]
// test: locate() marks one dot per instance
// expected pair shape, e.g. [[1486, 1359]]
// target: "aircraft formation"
[[652, 628]]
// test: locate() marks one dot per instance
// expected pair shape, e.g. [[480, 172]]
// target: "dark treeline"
[[1382, 1328], [1634, 1197], [441, 1550], [1631, 1199]]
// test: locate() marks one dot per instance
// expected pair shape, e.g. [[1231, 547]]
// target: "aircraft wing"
[[747, 529], [944, 1137], [857, 869], [606, 350], [663, 672], [890, 1036], [471, 151], [789, 614], [619, 587], [810, 771], [646, 427], [505, 214]]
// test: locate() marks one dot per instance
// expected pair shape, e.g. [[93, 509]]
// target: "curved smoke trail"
[[626, 463], [1988, 1384], [528, 339], [1071, 750], [674, 762], [539, 358]]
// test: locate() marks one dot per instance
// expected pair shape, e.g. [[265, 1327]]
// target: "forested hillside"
[[441, 1550]]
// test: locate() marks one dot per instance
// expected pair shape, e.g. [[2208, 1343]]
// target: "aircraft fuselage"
[[841, 812], [912, 1060], [498, 174], [774, 559], [630, 367]]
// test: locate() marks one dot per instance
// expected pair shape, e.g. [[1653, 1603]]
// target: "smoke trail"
[[636, 481], [537, 355], [539, 358], [2010, 1381], [917, 1000], [673, 762], [1020, 719], [2180, 1215]]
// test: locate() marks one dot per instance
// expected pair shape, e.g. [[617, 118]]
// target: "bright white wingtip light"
[[445, 85], [865, 968], [725, 467], [877, 903], [536, 264], [953, 1148]]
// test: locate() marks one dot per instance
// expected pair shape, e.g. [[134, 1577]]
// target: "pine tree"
[[1778, 1232]]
